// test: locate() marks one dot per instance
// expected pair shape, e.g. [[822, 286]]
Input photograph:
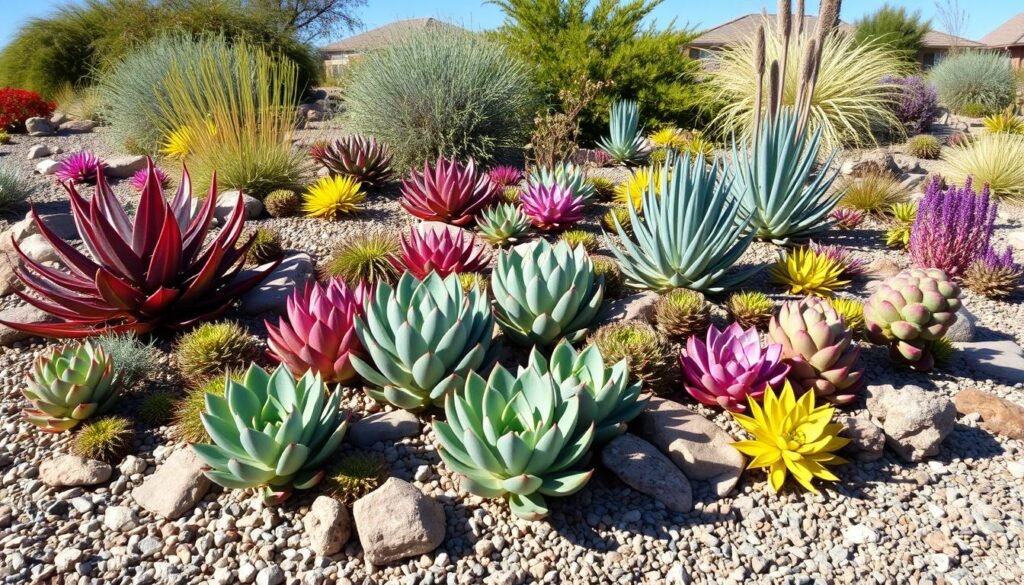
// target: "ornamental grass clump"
[[750, 309], [134, 361], [994, 274], [271, 432], [992, 160], [953, 228], [575, 238], [210, 349], [69, 384], [551, 208], [448, 191], [15, 190], [924, 146], [360, 158], [503, 224], [444, 250], [802, 271], [107, 439], [791, 436], [978, 78], [366, 257], [354, 476], [729, 366], [333, 197], [639, 345], [625, 141], [872, 193], [681, 313]]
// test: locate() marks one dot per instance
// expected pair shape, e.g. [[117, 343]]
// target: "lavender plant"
[[953, 227], [915, 102]]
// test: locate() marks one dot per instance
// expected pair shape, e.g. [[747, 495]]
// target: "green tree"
[[605, 40], [901, 30]]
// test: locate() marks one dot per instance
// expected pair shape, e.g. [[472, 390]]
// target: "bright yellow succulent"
[[805, 272], [180, 143], [851, 310], [791, 435], [665, 138], [332, 197], [632, 190]]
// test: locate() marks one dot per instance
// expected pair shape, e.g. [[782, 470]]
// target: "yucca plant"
[[1005, 122], [271, 432], [502, 224], [448, 191], [142, 274], [625, 142], [688, 237], [69, 384], [366, 257], [992, 160], [358, 157], [567, 175]]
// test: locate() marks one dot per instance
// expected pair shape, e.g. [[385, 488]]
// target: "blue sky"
[[476, 14]]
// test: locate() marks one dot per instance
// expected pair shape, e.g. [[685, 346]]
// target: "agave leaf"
[[565, 484], [528, 507]]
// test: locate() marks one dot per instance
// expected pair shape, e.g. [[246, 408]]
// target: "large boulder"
[[642, 467], [328, 526], [383, 427], [227, 200], [962, 330], [175, 487], [123, 167], [71, 471], [271, 295], [998, 415], [915, 421], [397, 521], [39, 127]]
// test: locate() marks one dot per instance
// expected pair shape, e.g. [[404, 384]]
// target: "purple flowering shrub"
[[953, 227], [916, 103]]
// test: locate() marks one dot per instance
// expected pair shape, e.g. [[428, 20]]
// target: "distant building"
[[1009, 37], [338, 55]]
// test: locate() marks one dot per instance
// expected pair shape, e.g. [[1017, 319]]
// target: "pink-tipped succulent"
[[505, 176], [138, 180], [852, 264], [441, 249], [845, 218], [551, 207], [80, 167], [317, 332], [318, 150], [448, 191], [359, 157], [730, 365]]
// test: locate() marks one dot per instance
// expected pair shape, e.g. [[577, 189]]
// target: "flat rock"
[[328, 526], [915, 421], [227, 200], [271, 295], [998, 415], [867, 440], [38, 151], [58, 118], [78, 126], [385, 427], [123, 167], [39, 127], [882, 268], [35, 247], [642, 467], [21, 314], [175, 487], [699, 447], [47, 167], [637, 305], [71, 470], [120, 518], [963, 328], [397, 521], [999, 360], [61, 224]]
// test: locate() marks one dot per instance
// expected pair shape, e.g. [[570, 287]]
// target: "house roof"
[[936, 39], [1008, 34], [380, 36]]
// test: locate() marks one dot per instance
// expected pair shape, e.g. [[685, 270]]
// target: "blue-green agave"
[[689, 236], [515, 437], [502, 223], [607, 399], [422, 338], [70, 384], [625, 143], [544, 292], [565, 174], [271, 432], [776, 185]]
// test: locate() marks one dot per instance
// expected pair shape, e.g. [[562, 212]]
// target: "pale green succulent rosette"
[[565, 174], [544, 293], [422, 338], [515, 437], [70, 384], [271, 432]]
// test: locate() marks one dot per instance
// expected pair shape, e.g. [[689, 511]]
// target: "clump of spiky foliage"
[[157, 408], [106, 439], [1005, 122], [266, 246], [333, 196], [471, 280], [14, 190], [604, 188], [187, 425], [355, 475], [924, 146], [992, 160], [282, 203], [681, 313], [975, 78], [210, 349], [872, 193], [504, 223], [942, 351], [134, 361], [631, 192], [853, 265], [636, 342], [80, 167], [804, 271], [139, 178], [368, 257], [511, 195], [618, 214], [845, 218], [903, 215], [583, 238], [994, 274], [614, 281], [750, 309], [852, 312]]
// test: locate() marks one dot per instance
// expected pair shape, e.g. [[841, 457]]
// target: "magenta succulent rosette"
[[448, 191], [80, 167], [317, 331], [730, 365], [505, 176], [551, 207], [442, 249], [138, 180]]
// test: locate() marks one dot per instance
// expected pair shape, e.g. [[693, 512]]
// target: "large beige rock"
[[397, 521], [915, 421], [328, 526], [176, 486], [21, 314], [71, 470], [642, 467]]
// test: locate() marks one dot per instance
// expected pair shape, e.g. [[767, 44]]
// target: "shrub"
[[680, 313], [367, 257], [924, 146], [556, 133], [282, 203], [105, 439], [992, 160], [441, 92], [334, 196], [18, 105], [15, 190], [210, 349], [953, 228], [639, 344], [975, 110], [872, 193], [134, 361], [157, 408], [354, 476], [975, 77], [79, 103], [915, 103], [896, 28], [750, 309], [5, 136]]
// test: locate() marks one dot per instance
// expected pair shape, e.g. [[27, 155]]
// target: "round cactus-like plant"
[[106, 439], [617, 215], [682, 312], [266, 246], [282, 203], [924, 146], [211, 348], [750, 309], [607, 268], [355, 476], [639, 345], [583, 238]]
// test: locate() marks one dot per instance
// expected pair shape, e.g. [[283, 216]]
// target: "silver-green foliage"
[[422, 338], [975, 77], [565, 174], [689, 236], [544, 292], [625, 143], [776, 183], [134, 361], [271, 432], [15, 189], [503, 223], [515, 437]]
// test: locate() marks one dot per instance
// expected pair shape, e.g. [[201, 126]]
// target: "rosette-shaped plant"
[[641, 180], [68, 385], [333, 197], [271, 432], [819, 348], [567, 175], [448, 191], [625, 142], [551, 207], [804, 271], [515, 437], [422, 338], [444, 250], [318, 331], [846, 218], [853, 265], [994, 274], [544, 292], [359, 157], [80, 167], [504, 223], [909, 310], [729, 366], [505, 176], [750, 309], [153, 271], [138, 180]]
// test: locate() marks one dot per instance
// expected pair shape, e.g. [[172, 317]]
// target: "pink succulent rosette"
[[729, 366], [448, 191], [551, 207], [505, 176], [442, 249]]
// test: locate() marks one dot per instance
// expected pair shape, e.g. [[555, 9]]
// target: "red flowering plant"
[[18, 105]]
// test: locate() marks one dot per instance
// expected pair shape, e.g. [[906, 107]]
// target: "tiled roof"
[[1009, 34], [383, 35], [935, 38]]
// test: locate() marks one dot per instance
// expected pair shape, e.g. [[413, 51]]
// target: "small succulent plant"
[[474, 281], [505, 176], [631, 192], [138, 180], [804, 271], [354, 476], [639, 345], [852, 312], [448, 191], [750, 309], [211, 348], [334, 196], [903, 214], [617, 216], [852, 264], [69, 384], [444, 250], [502, 224], [625, 143], [361, 158], [681, 313], [1004, 122], [80, 167], [266, 246], [924, 146], [510, 195], [994, 274], [157, 408], [282, 203], [107, 439], [608, 269], [942, 351], [604, 189], [583, 238], [551, 207], [566, 175], [845, 218], [366, 257]]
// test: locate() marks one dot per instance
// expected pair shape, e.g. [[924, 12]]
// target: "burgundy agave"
[[139, 275], [441, 249], [846, 218], [551, 207], [359, 157], [953, 227], [448, 192], [505, 176], [80, 167]]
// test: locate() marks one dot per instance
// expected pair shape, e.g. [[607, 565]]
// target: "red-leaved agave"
[[442, 249], [140, 274], [551, 207], [317, 332], [448, 191]]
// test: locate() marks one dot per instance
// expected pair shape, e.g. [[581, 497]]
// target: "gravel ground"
[[956, 518]]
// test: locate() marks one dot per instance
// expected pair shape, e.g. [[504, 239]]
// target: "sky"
[[477, 15]]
